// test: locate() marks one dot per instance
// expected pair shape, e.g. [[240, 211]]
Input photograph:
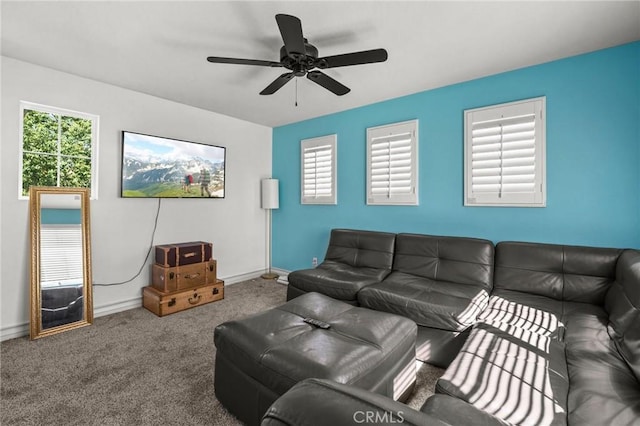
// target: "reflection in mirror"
[[61, 297]]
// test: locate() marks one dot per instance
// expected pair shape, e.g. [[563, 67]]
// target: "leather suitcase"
[[163, 304], [211, 272], [183, 277], [172, 255]]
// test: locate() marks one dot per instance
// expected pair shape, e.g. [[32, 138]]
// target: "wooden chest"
[[171, 255], [183, 277], [163, 304]]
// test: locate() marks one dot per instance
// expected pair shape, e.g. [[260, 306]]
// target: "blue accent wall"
[[593, 162], [60, 216]]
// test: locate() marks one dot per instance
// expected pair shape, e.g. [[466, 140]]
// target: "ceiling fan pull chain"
[[296, 92]]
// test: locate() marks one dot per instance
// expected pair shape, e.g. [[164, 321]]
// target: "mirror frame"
[[35, 194]]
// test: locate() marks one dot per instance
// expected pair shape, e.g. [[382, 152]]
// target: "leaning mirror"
[[61, 297]]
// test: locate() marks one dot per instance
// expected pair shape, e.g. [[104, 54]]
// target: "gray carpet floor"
[[134, 368]]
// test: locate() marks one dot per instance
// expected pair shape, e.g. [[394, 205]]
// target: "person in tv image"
[[188, 180], [204, 180]]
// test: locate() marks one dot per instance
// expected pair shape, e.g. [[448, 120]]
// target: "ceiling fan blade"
[[291, 31], [355, 58], [328, 83], [219, 60], [277, 83]]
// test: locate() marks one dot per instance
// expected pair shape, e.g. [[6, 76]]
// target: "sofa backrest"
[[60, 297], [623, 305], [364, 249], [453, 259], [569, 273]]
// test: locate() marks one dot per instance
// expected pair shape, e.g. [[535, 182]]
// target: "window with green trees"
[[58, 148]]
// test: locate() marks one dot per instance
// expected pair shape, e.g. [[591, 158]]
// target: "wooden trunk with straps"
[[162, 304]]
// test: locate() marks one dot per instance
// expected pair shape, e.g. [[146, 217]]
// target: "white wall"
[[121, 228]]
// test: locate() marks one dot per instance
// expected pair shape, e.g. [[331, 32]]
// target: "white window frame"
[[531, 142], [406, 171], [95, 119], [307, 147]]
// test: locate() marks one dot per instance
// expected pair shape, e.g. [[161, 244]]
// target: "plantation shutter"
[[319, 170], [392, 164], [504, 152], [60, 253]]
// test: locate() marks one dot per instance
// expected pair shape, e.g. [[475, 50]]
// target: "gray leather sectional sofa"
[[529, 333], [441, 283], [61, 305]]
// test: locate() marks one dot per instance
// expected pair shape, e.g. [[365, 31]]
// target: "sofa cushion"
[[459, 260], [529, 313], [584, 322], [362, 249], [623, 305], [455, 411], [517, 376], [603, 388], [572, 273], [443, 305], [318, 402], [337, 280]]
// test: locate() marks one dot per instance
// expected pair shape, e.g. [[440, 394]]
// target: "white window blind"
[[60, 254], [392, 164], [505, 155], [319, 170]]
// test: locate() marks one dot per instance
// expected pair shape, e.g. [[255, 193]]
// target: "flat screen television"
[[157, 167]]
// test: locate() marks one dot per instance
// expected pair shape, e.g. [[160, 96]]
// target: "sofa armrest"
[[623, 305], [455, 411], [316, 402]]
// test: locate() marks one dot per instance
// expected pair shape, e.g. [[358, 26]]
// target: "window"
[[58, 148], [504, 153], [392, 164], [61, 254], [319, 170]]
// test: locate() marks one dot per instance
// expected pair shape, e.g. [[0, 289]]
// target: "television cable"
[[153, 235]]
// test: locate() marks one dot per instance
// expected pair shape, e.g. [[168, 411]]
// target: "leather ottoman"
[[261, 357]]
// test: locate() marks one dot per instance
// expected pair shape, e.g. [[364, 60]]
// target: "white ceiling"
[[160, 48]]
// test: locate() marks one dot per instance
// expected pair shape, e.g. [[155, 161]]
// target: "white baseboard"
[[233, 279], [20, 330], [14, 331], [284, 275], [114, 307]]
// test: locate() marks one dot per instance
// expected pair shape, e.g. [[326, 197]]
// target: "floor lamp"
[[270, 201]]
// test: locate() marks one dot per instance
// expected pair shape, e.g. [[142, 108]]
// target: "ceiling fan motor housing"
[[299, 63]]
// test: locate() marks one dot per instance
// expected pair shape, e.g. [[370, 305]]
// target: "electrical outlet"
[[314, 262]]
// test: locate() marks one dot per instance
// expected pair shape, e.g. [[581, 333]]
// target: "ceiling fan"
[[301, 58]]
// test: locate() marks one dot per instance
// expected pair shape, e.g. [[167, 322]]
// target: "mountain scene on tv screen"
[[171, 178]]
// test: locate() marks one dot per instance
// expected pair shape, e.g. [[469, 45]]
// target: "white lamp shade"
[[270, 195]]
